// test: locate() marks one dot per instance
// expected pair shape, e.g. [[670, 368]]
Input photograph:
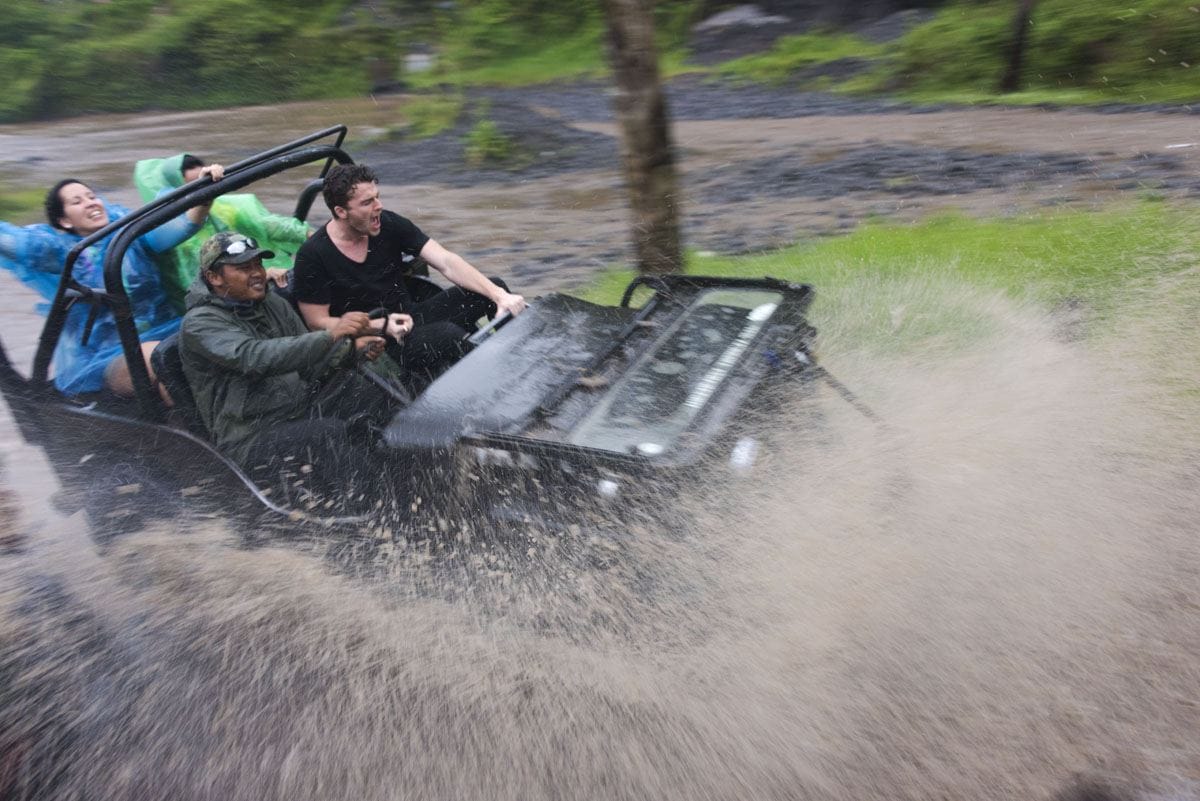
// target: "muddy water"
[[102, 149], [993, 591]]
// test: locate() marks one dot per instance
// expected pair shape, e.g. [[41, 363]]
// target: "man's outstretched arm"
[[459, 271]]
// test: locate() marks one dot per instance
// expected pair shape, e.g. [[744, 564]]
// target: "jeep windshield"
[[652, 383], [668, 385]]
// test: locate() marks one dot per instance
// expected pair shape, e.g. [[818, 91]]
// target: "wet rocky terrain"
[[768, 166]]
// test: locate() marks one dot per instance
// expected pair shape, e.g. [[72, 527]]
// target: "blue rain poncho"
[[36, 254]]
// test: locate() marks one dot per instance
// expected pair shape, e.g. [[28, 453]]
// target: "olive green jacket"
[[252, 365]]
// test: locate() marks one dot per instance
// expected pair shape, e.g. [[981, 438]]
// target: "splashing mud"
[[991, 592]]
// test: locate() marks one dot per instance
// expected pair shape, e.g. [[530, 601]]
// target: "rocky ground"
[[763, 167]]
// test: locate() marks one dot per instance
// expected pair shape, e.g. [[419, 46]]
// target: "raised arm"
[[35, 254], [246, 213], [178, 230], [285, 230], [198, 214], [33, 247]]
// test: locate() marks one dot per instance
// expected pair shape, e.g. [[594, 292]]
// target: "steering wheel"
[[379, 314]]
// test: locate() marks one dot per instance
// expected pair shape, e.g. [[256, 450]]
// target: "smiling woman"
[[73, 206], [89, 357]]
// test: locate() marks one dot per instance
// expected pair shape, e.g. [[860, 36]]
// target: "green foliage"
[[21, 206], [23, 70], [1139, 50], [521, 42], [516, 42], [578, 56], [486, 144], [791, 54], [429, 115], [65, 57], [489, 31], [126, 55]]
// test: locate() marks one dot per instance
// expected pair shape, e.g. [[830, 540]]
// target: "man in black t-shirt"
[[363, 259]]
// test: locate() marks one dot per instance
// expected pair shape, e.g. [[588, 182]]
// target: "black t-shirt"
[[324, 275]]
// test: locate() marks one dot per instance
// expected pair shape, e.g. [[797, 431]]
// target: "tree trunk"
[[1011, 81], [646, 152]]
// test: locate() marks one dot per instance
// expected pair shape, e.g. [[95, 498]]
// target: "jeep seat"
[[168, 366]]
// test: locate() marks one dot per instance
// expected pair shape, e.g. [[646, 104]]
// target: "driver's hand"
[[215, 170], [398, 325], [370, 348], [277, 276], [352, 324], [508, 302]]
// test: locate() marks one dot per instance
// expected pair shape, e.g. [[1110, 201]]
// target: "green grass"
[[1140, 54], [487, 144], [892, 278], [21, 206], [569, 58], [880, 79], [429, 115], [1137, 51], [1142, 51], [792, 54]]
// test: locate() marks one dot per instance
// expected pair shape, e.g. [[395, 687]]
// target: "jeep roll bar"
[[149, 216]]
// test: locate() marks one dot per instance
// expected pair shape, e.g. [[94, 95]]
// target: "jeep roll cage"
[[158, 211]]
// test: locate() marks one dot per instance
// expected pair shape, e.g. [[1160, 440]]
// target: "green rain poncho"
[[244, 213]]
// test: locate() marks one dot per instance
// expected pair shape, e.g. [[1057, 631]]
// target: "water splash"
[[991, 592]]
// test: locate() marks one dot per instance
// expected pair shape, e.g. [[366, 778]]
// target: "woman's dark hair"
[[341, 180], [190, 161], [54, 203]]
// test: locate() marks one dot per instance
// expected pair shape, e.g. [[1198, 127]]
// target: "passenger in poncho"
[[243, 213], [36, 254]]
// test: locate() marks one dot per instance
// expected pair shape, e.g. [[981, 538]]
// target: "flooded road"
[[988, 595], [103, 148]]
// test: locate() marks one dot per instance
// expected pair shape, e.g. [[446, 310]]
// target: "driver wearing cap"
[[265, 386]]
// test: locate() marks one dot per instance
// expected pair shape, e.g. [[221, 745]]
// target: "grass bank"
[[213, 53], [21, 206], [1092, 261], [1140, 51]]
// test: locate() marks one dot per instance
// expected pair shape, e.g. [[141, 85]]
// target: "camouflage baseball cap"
[[230, 247]]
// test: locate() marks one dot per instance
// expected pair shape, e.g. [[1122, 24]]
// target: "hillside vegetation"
[[68, 57], [76, 56], [1135, 51]]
